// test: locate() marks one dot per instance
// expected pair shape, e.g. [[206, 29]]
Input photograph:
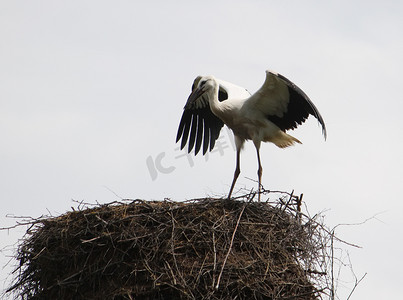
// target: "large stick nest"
[[200, 249]]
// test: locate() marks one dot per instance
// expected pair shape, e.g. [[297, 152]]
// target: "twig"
[[357, 282], [332, 291], [230, 246], [173, 248], [215, 257], [289, 200]]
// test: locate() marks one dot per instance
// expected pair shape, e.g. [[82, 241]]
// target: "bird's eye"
[[203, 83]]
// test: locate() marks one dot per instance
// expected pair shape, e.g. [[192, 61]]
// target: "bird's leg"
[[260, 169], [236, 173]]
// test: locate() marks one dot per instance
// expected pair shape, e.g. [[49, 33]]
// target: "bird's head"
[[204, 82], [203, 88]]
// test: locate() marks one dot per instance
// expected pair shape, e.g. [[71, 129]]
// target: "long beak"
[[193, 100]]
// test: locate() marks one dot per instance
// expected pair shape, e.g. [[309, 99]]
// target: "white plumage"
[[265, 116]]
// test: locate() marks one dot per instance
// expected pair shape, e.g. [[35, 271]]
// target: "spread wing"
[[284, 103], [198, 124]]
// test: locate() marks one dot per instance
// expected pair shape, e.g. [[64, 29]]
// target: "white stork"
[[277, 106]]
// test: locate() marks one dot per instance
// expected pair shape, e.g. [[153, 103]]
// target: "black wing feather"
[[298, 110], [187, 120], [181, 127], [199, 134], [193, 132], [206, 138], [215, 128], [199, 126]]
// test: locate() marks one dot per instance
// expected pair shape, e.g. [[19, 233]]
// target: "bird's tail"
[[284, 140]]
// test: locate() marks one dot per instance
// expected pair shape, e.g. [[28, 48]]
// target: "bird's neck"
[[215, 104]]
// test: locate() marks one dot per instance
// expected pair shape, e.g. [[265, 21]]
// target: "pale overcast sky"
[[91, 94]]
